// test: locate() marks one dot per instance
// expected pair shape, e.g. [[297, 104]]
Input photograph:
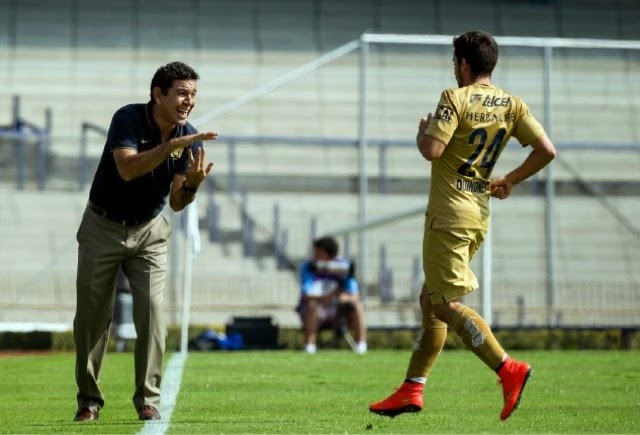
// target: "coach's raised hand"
[[196, 171], [189, 139]]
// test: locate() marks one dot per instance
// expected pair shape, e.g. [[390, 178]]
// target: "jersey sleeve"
[[307, 279], [122, 131], [446, 118], [527, 128], [351, 286]]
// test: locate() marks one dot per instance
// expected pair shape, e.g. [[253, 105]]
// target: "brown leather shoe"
[[148, 412], [86, 414]]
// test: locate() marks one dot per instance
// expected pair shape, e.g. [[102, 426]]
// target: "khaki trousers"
[[142, 250]]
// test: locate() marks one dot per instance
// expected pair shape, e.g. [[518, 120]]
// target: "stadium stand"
[[84, 59], [587, 19], [256, 44], [528, 19], [39, 270]]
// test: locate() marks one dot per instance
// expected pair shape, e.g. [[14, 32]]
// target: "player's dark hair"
[[480, 51], [167, 74], [327, 244]]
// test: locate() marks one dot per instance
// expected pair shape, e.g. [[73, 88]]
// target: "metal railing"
[[19, 133]]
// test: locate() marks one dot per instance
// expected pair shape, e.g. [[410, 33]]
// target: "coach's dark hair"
[[167, 74], [328, 244], [480, 51]]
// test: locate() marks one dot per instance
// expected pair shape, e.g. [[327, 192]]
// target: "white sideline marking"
[[35, 326], [169, 393]]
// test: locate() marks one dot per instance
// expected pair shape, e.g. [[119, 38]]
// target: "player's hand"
[[197, 171], [325, 299], [424, 123], [500, 188], [345, 297], [422, 127]]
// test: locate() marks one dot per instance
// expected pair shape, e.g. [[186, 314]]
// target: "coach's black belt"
[[105, 214]]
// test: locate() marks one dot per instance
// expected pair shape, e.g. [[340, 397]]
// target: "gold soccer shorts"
[[446, 258]]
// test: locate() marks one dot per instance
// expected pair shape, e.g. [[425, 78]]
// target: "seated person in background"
[[329, 291]]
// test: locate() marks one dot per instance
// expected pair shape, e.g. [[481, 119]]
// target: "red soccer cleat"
[[407, 398], [513, 377]]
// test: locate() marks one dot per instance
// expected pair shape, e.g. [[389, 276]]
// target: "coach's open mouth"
[[183, 113]]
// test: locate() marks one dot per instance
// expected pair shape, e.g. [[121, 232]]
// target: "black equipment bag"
[[256, 332]]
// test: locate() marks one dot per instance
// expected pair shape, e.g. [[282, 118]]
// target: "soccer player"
[[463, 140]]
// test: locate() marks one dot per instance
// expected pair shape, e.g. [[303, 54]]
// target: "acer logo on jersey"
[[490, 101]]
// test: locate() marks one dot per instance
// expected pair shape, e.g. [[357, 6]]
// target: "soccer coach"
[[151, 152]]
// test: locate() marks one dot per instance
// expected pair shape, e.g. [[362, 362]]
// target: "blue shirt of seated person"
[[326, 281], [329, 297], [321, 278]]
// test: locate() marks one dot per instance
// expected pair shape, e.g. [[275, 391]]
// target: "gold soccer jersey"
[[475, 123]]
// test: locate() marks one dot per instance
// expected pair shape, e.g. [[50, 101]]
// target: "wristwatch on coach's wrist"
[[188, 190]]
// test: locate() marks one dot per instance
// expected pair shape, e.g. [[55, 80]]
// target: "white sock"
[[361, 347], [419, 380], [310, 348]]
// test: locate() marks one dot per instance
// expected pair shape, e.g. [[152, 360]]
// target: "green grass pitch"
[[291, 392]]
